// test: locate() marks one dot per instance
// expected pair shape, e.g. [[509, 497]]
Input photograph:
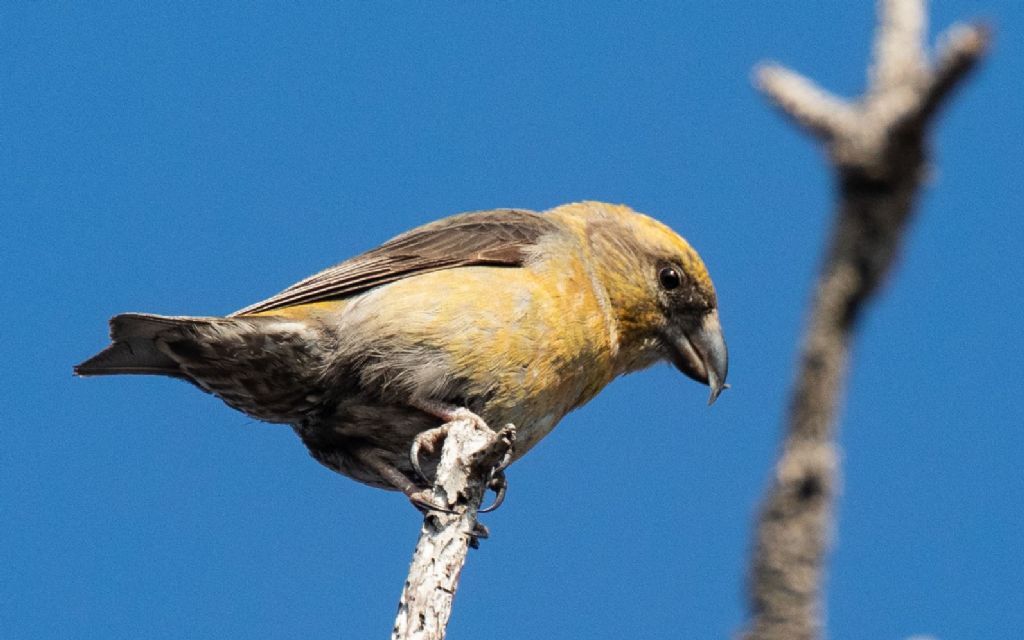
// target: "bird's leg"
[[448, 412], [420, 498]]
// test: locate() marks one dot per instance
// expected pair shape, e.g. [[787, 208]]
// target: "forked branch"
[[877, 145]]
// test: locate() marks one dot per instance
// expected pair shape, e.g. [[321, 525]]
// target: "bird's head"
[[659, 290]]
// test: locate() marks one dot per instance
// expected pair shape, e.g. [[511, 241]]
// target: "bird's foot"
[[423, 500], [430, 442], [496, 481]]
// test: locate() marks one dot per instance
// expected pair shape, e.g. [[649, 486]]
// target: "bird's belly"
[[389, 430], [361, 424]]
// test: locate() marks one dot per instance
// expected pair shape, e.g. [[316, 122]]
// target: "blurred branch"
[[877, 145], [470, 452]]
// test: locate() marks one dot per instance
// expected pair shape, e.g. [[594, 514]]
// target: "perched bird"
[[504, 316]]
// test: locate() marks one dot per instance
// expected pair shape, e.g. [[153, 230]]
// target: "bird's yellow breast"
[[533, 342]]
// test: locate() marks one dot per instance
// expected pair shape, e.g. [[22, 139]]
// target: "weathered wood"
[[470, 452]]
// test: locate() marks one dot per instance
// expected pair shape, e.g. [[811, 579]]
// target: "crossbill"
[[504, 316]]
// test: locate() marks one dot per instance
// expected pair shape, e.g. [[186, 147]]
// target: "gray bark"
[[470, 452], [877, 146]]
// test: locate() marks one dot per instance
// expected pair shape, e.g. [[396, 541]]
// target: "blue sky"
[[189, 160]]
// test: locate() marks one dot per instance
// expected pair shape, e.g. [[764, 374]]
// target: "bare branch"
[[810, 106], [879, 154], [960, 49], [899, 54], [470, 453]]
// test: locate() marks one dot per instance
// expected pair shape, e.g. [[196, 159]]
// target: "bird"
[[505, 316]]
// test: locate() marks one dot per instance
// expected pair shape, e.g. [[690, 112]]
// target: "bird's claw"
[[429, 441], [423, 501], [479, 532], [497, 481], [499, 485]]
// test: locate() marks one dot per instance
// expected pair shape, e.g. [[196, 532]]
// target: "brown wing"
[[496, 238]]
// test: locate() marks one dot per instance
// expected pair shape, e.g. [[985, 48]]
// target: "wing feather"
[[495, 238]]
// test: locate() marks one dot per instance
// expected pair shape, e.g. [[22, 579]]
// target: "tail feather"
[[134, 348], [130, 356], [268, 367]]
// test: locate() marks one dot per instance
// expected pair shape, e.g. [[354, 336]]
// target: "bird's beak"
[[698, 350]]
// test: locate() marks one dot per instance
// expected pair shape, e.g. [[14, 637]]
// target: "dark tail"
[[134, 347], [267, 367]]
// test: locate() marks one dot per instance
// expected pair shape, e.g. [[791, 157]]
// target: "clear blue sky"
[[189, 160]]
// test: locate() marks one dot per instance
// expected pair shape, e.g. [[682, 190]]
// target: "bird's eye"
[[669, 278]]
